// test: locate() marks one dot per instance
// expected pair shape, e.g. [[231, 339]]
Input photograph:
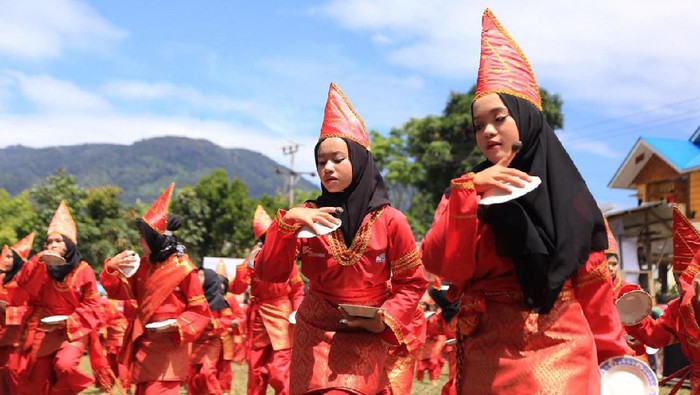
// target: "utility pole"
[[290, 150]]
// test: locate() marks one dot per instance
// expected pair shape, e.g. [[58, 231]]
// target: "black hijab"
[[549, 232], [72, 257], [161, 245], [17, 263], [365, 194], [213, 290]]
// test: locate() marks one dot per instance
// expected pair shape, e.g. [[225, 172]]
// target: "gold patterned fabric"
[[328, 355], [512, 350]]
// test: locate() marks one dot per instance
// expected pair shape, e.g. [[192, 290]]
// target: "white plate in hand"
[[129, 270], [496, 196], [633, 307], [54, 319], [429, 314], [160, 324], [308, 232], [293, 318], [53, 259], [627, 376], [450, 342]]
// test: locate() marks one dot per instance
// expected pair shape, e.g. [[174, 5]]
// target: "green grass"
[[240, 380]]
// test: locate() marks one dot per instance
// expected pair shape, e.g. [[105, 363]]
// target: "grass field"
[[240, 380]]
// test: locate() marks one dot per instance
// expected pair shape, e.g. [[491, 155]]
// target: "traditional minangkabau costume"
[[269, 329], [370, 260], [13, 315], [165, 286], [537, 312], [51, 357], [207, 350], [679, 322]]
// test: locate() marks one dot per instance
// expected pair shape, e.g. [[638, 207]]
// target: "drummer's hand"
[[312, 216], [375, 325], [122, 259], [165, 329], [499, 176]]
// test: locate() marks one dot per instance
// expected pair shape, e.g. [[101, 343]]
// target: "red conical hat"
[[62, 223], [341, 120], [221, 268], [686, 241], [24, 246], [261, 222], [157, 216], [503, 67], [612, 242]]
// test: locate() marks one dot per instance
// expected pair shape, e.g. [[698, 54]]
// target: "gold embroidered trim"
[[296, 279], [395, 327], [199, 299], [468, 216], [345, 136], [599, 274], [408, 261], [350, 256], [467, 184], [67, 283], [283, 226]]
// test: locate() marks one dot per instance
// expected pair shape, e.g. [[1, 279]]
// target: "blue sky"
[[255, 74]]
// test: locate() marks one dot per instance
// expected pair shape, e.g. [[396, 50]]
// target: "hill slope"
[[143, 168]]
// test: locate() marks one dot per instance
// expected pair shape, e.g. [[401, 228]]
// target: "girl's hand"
[[374, 325], [499, 176], [312, 216], [123, 259]]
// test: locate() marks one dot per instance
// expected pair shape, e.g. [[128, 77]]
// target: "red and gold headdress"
[[503, 67], [62, 223], [221, 268], [157, 216], [341, 120], [24, 246], [261, 222], [686, 241], [612, 242]]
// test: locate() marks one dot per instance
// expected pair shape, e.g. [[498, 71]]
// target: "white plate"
[[293, 318], [54, 319], [307, 232], [450, 342], [129, 271], [627, 376], [160, 324], [633, 307], [53, 259], [359, 311], [429, 314], [497, 196]]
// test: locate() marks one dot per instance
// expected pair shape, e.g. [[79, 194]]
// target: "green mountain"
[[144, 168]]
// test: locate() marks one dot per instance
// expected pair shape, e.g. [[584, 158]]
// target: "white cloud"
[[632, 52], [34, 29], [589, 146], [52, 95]]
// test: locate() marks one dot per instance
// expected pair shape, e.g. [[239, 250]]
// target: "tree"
[[17, 217], [420, 158]]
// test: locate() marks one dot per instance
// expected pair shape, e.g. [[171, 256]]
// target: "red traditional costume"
[[13, 316], [116, 324], [378, 267], [504, 344], [269, 330], [207, 351], [679, 322], [230, 329], [401, 361], [52, 353], [431, 358], [161, 290]]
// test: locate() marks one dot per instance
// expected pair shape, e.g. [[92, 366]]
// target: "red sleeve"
[[86, 317], [448, 248], [14, 315], [279, 254], [241, 281], [32, 276], [408, 281], [593, 290], [115, 283], [196, 317], [660, 332], [296, 291]]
